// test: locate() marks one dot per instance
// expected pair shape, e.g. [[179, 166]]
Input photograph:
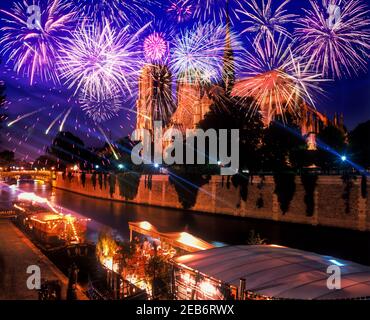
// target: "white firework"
[[101, 108], [263, 20], [197, 54], [100, 60]]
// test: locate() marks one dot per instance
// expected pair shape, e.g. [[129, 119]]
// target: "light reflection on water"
[[339, 243]]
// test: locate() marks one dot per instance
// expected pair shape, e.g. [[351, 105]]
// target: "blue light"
[[337, 263], [344, 158], [156, 165], [121, 166], [96, 167]]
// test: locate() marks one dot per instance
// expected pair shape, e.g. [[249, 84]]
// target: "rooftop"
[[280, 272]]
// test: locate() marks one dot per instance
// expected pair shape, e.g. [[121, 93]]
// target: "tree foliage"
[[359, 141], [332, 141], [283, 145], [235, 114], [70, 150]]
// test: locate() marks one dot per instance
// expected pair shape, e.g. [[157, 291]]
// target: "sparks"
[[340, 46], [181, 10], [277, 80], [197, 54], [34, 48], [101, 109], [115, 10], [100, 60], [263, 21], [155, 47]]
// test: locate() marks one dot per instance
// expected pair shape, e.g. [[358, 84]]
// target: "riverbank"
[[17, 253], [330, 201]]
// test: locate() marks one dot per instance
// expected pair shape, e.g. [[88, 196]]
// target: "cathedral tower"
[[228, 72]]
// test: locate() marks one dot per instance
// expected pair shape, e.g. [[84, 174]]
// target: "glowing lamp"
[[145, 225], [343, 158], [208, 288]]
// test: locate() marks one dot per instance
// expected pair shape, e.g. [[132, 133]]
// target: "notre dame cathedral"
[[193, 100]]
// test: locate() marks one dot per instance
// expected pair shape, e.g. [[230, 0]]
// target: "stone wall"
[[335, 202]]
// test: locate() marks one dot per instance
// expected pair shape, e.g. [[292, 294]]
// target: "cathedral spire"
[[228, 73]]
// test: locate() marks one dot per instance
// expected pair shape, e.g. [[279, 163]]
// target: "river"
[[218, 229]]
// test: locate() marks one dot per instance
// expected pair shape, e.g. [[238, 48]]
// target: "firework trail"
[[277, 80], [19, 118], [263, 21], [115, 10], [156, 95], [215, 10], [197, 54], [181, 11], [33, 47], [101, 109], [337, 37], [101, 60]]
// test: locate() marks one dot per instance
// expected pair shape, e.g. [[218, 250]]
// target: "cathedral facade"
[[185, 108]]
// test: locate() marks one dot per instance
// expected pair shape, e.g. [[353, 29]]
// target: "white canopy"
[[280, 272]]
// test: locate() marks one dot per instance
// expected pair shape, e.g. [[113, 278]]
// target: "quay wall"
[[329, 201]]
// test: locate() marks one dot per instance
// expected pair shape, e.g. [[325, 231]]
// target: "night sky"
[[27, 137]]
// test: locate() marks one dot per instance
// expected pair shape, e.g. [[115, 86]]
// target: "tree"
[[331, 142], [69, 150], [235, 114], [359, 144], [283, 145], [45, 161], [6, 157]]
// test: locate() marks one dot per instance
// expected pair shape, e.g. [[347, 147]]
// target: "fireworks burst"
[[115, 10], [340, 44], [263, 21], [155, 47], [215, 10], [181, 10], [197, 54], [277, 80], [33, 46], [101, 60], [102, 108]]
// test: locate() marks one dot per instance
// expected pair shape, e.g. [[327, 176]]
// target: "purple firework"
[[335, 36]]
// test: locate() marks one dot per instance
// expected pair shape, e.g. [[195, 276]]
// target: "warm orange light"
[[29, 196], [276, 246], [145, 225], [19, 208], [208, 288], [190, 240]]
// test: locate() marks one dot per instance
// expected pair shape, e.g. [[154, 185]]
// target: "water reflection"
[[345, 244]]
